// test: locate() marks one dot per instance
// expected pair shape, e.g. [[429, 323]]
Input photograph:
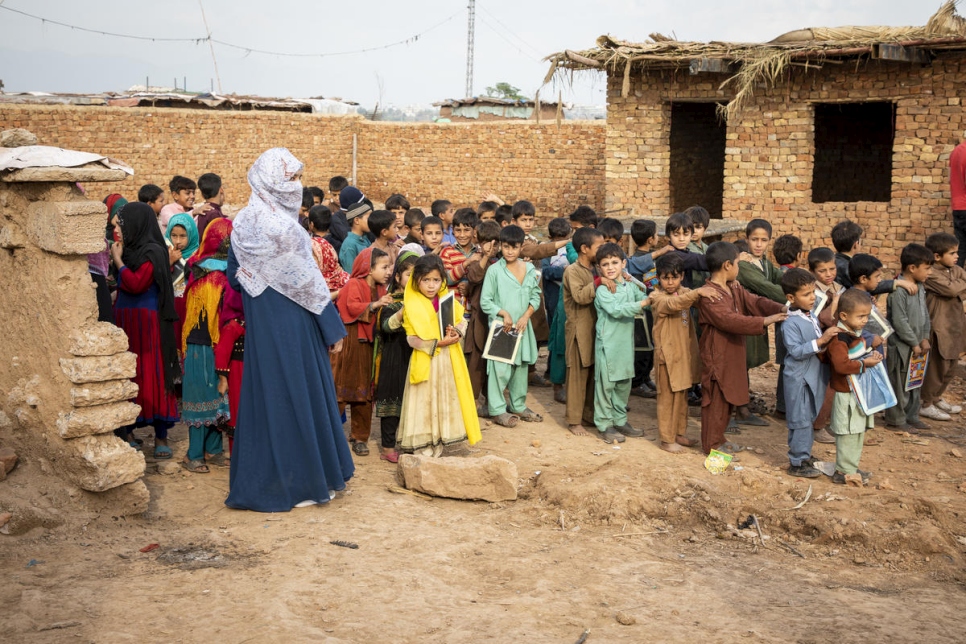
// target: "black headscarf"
[[143, 242]]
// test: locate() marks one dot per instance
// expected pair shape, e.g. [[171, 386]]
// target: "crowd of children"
[[682, 322]]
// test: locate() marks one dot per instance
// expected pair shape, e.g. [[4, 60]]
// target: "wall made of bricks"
[[770, 150], [556, 167]]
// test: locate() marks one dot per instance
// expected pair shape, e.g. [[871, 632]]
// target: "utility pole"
[[470, 31]]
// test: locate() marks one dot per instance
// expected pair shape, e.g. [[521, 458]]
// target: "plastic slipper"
[[360, 448], [162, 452], [195, 467], [505, 420], [530, 416], [218, 460], [752, 420]]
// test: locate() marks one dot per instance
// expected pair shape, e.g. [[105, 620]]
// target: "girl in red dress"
[[145, 311]]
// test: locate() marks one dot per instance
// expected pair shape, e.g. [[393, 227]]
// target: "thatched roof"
[[748, 64]]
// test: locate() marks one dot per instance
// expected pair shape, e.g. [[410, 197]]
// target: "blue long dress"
[[289, 443]]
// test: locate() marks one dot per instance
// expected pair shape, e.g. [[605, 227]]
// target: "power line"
[[470, 46], [411, 39], [507, 40], [97, 31], [512, 33], [247, 50]]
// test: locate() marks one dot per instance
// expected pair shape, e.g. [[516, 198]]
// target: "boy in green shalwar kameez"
[[614, 342], [511, 293]]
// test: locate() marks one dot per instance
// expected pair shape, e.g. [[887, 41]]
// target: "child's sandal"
[[530, 416], [505, 420]]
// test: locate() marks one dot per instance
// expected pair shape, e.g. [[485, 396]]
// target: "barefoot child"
[[806, 377], [848, 354], [438, 407], [392, 357], [359, 304], [724, 325], [945, 291], [676, 354], [511, 292], [614, 336], [578, 300]]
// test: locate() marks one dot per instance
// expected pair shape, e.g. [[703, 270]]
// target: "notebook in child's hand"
[[917, 371], [501, 345], [821, 299], [887, 329], [447, 313]]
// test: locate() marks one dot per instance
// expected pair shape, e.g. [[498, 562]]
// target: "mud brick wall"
[[558, 168], [770, 154], [64, 376]]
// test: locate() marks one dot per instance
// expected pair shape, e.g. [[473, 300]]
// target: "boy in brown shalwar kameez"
[[945, 292], [579, 290], [724, 323], [677, 366]]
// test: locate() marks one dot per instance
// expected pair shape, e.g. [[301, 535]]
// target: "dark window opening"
[[853, 152], [697, 157]]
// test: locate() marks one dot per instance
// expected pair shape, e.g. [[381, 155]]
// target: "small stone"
[[535, 442], [759, 450], [884, 485], [8, 460], [17, 138], [853, 480], [955, 452], [859, 561], [625, 619], [168, 468], [5, 517]]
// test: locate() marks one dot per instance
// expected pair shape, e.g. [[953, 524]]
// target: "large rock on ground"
[[489, 478]]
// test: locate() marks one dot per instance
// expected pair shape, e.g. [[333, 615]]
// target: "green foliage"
[[506, 90]]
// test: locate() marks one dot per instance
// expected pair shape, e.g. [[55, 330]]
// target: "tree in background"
[[506, 90]]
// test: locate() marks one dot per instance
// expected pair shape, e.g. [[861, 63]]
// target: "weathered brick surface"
[[770, 149], [558, 168]]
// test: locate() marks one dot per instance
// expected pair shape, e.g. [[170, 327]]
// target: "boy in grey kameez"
[[909, 317]]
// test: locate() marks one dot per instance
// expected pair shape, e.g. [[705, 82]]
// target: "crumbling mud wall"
[[64, 377]]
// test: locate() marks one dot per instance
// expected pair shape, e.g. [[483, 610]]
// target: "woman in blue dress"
[[290, 450]]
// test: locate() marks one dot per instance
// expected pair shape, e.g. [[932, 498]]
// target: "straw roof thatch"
[[749, 64]]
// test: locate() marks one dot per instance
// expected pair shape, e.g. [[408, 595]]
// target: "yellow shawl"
[[420, 319]]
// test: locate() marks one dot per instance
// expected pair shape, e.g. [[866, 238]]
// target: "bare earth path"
[[600, 536]]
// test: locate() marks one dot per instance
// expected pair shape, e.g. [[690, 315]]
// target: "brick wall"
[[558, 168], [770, 150]]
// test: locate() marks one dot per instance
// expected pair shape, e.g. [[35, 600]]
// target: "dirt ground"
[[633, 544]]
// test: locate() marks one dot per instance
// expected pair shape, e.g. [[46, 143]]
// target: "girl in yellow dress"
[[438, 407]]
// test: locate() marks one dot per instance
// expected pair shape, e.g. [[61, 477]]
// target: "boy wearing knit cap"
[[357, 214]]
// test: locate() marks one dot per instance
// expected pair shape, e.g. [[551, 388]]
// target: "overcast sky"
[[512, 36]]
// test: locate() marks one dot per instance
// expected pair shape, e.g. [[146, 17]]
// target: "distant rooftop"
[[139, 96]]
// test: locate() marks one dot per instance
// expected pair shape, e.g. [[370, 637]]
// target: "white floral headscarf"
[[270, 245]]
